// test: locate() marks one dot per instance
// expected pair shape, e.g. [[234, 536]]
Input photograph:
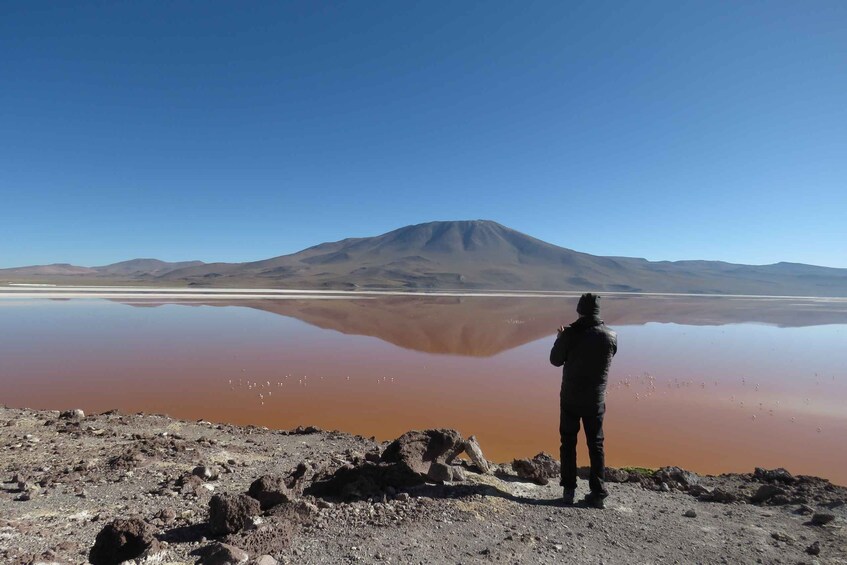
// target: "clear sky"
[[243, 130]]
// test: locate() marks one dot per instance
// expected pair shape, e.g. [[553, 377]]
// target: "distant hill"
[[144, 267], [460, 255]]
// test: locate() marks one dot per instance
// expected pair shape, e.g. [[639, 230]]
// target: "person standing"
[[584, 349]]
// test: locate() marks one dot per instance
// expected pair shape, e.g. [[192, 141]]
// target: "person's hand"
[[560, 331]]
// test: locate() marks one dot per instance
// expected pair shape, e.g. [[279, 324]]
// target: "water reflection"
[[719, 385], [483, 326]]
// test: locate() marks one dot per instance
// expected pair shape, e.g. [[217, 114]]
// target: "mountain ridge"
[[464, 254]]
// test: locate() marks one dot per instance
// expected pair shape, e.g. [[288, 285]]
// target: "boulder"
[[304, 430], [270, 491], [540, 469], [351, 482], [779, 475], [222, 554], [699, 491], [474, 451], [420, 450], [676, 477], [441, 472], [229, 513], [121, 540], [719, 495], [765, 493], [75, 414]]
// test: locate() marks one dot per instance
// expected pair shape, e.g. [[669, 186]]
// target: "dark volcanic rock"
[[304, 430], [699, 491], [540, 469], [410, 460], [269, 491], [719, 495], [676, 477], [365, 480], [271, 538], [822, 518], [189, 483], [121, 540], [301, 476], [229, 513], [814, 549], [766, 493], [419, 451], [779, 475]]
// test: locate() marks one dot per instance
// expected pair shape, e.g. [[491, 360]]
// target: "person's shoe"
[[595, 500], [567, 496]]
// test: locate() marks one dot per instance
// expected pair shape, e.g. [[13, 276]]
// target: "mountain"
[[134, 268], [466, 255]]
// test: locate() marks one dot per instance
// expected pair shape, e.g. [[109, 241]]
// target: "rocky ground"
[[114, 486]]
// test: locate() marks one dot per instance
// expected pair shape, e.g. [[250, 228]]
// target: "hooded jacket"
[[585, 349]]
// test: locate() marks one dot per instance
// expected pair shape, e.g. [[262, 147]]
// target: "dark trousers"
[[592, 418]]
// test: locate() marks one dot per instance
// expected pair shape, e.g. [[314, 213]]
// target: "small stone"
[[222, 554], [665, 487], [206, 473], [265, 560], [780, 536], [690, 514], [805, 509], [75, 414], [167, 516], [814, 549]]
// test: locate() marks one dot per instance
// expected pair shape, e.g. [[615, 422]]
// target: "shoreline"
[[32, 290], [66, 477]]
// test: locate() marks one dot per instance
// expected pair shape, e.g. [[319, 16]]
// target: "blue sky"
[[242, 130]]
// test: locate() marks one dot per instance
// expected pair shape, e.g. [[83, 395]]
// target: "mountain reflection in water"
[[486, 326]]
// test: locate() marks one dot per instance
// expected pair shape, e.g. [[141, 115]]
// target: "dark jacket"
[[585, 348]]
